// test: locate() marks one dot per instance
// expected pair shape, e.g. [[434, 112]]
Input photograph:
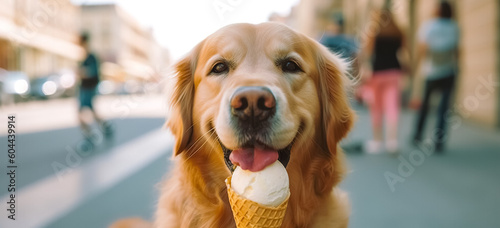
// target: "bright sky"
[[180, 25]]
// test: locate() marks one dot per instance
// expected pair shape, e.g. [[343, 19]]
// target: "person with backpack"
[[438, 49]]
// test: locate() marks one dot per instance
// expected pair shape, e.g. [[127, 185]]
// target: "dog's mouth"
[[255, 156]]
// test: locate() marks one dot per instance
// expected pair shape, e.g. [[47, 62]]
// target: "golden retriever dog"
[[274, 94]]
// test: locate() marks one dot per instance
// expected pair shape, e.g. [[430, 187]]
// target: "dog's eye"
[[290, 67], [219, 68]]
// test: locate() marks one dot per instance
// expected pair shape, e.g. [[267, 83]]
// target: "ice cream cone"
[[249, 214]]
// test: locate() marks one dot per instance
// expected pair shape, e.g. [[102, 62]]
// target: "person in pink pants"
[[382, 81], [382, 95]]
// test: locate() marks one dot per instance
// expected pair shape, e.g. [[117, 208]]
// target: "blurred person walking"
[[338, 42], [381, 74], [438, 49], [88, 72]]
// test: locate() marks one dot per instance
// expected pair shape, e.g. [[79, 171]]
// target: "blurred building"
[[38, 37], [478, 89], [311, 16], [127, 49]]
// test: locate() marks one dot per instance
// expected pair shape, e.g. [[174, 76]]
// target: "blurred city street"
[[67, 173], [119, 178], [83, 100]]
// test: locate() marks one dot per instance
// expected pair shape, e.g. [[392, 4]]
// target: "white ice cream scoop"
[[268, 187]]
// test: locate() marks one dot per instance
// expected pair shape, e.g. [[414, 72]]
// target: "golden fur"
[[316, 108]]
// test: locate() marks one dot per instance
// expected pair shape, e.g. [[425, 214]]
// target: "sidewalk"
[[35, 116], [459, 188], [51, 198]]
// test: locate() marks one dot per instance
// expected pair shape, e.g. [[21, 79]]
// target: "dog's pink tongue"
[[253, 159]]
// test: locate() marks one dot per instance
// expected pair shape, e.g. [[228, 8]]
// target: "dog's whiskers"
[[201, 137], [213, 148], [201, 146]]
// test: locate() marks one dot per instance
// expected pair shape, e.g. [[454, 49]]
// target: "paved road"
[[459, 188], [39, 185], [136, 196], [37, 152]]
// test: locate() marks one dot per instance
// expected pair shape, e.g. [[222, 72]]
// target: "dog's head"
[[257, 93]]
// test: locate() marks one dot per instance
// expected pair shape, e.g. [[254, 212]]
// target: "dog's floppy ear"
[[337, 116], [182, 94]]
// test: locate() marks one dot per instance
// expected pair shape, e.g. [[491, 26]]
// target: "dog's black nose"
[[253, 103]]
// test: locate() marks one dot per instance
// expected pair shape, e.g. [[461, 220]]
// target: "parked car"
[[14, 86], [68, 82], [60, 84]]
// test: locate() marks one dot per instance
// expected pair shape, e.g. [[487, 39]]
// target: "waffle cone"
[[249, 214]]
